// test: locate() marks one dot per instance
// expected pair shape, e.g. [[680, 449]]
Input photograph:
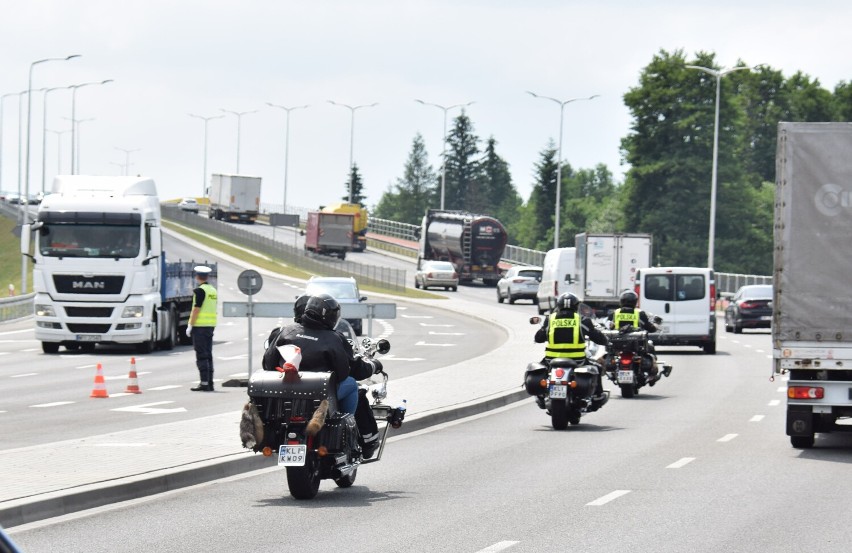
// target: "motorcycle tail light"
[[560, 373], [805, 392], [572, 384], [297, 419], [267, 451], [292, 442], [322, 451], [543, 383], [627, 360]]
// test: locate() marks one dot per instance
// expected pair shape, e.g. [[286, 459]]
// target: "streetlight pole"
[[74, 87], [352, 110], [75, 126], [239, 115], [204, 170], [121, 167], [445, 109], [2, 104], [287, 110], [717, 74], [127, 158], [44, 135], [59, 148], [562, 104]]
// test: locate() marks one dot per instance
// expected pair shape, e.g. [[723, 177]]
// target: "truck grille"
[[73, 311], [79, 284], [88, 328]]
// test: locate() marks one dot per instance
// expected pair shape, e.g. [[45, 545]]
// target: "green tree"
[[414, 192], [843, 100], [355, 187], [463, 187], [504, 200], [585, 193], [536, 227]]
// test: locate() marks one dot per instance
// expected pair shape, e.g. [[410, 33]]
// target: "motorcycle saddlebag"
[[587, 380], [532, 378], [339, 433], [293, 395]]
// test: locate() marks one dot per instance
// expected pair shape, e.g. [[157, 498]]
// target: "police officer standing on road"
[[202, 321]]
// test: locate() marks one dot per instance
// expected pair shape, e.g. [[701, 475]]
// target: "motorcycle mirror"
[[535, 320], [383, 346], [657, 320]]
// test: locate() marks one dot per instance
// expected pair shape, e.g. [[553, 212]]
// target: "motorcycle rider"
[[628, 315], [565, 333]]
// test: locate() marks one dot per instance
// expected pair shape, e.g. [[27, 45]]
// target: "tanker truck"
[[474, 244]]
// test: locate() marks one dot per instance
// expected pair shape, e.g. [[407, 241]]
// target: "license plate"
[[559, 391], [766, 318], [625, 377], [88, 337], [292, 455]]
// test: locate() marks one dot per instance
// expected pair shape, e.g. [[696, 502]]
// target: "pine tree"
[[463, 181], [504, 201], [542, 200], [414, 192], [355, 187]]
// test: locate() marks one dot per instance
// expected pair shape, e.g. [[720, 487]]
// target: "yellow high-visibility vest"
[[207, 310], [620, 318], [565, 338]]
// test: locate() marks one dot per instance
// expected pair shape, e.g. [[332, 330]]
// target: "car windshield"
[[757, 292], [337, 290], [94, 240], [189, 201], [441, 266]]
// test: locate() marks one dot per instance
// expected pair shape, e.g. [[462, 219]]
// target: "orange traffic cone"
[[133, 384], [100, 386]]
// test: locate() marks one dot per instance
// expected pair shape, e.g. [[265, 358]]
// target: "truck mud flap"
[[800, 420]]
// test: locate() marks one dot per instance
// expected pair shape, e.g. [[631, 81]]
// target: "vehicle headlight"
[[44, 311], [133, 311]]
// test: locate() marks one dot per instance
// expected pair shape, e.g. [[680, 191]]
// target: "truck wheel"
[[172, 339], [455, 288], [50, 347], [149, 345], [738, 329], [342, 256], [802, 442], [710, 349]]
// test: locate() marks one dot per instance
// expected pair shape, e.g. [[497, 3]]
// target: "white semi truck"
[[812, 304], [100, 275]]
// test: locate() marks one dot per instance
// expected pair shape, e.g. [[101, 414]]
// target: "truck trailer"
[[607, 265], [100, 273], [329, 233], [811, 323], [359, 224], [234, 198], [474, 244]]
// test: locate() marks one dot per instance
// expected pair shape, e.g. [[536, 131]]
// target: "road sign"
[[283, 220], [250, 282], [285, 309]]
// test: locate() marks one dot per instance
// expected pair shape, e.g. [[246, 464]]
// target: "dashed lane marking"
[[5, 352], [393, 358], [124, 376], [422, 343], [122, 394], [29, 350], [54, 404], [681, 463], [747, 345], [727, 437], [433, 333], [86, 367], [233, 358], [774, 403], [757, 418], [167, 387], [436, 325], [607, 498], [124, 444], [769, 357], [23, 375], [499, 546], [150, 409], [6, 333], [759, 351], [417, 316]]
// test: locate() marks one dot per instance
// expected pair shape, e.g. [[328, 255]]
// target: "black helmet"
[[321, 311], [299, 307], [628, 299], [567, 301]]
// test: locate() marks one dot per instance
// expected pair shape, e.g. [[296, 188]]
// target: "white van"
[[558, 275], [685, 298]]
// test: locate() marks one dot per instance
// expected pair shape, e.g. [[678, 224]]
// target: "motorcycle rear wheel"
[[559, 414], [346, 481], [627, 391], [304, 481]]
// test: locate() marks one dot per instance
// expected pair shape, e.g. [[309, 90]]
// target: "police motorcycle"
[[294, 416], [565, 388], [630, 358]]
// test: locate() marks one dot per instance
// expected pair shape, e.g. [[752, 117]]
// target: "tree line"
[[666, 190]]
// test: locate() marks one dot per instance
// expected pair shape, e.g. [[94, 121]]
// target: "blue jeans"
[[347, 395]]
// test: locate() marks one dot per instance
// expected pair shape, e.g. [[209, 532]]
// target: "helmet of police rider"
[[628, 298], [567, 301], [299, 307], [321, 311]]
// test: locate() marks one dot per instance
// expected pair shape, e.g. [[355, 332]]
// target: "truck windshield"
[[89, 240]]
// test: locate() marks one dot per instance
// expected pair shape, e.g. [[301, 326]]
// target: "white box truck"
[[811, 322], [234, 198], [607, 265]]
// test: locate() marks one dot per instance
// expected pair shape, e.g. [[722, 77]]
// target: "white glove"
[[189, 331]]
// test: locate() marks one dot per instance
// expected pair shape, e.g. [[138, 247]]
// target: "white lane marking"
[[782, 389], [5, 352], [681, 463], [769, 357], [759, 351], [6, 333], [122, 394], [422, 343], [86, 367], [499, 546], [238, 375], [54, 404], [433, 333], [394, 358], [774, 403], [149, 409], [756, 418], [417, 316], [23, 375], [233, 358], [29, 350], [436, 326], [4, 411], [747, 345], [735, 341], [727, 437], [124, 376], [607, 498], [126, 444], [167, 387]]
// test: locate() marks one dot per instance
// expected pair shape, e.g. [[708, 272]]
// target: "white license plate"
[[766, 318], [625, 377], [292, 455], [88, 337], [558, 391]]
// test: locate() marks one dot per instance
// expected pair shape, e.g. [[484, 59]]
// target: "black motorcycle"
[[630, 361], [295, 416]]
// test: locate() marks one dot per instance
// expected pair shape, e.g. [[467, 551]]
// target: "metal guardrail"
[[384, 277], [729, 283], [16, 307]]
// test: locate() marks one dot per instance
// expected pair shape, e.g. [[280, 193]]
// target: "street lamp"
[[445, 109], [204, 170], [44, 134], [59, 148], [717, 74], [127, 158], [562, 104], [239, 115], [352, 109], [75, 130], [121, 167], [2, 104], [287, 110], [74, 155]]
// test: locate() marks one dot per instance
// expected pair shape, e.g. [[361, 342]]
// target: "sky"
[[171, 58]]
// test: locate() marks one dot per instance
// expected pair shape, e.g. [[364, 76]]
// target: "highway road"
[[698, 463], [45, 398]]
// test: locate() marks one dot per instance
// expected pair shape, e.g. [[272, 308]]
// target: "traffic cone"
[[100, 386], [133, 383]]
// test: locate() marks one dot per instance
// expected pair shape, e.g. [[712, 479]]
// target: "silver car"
[[189, 204], [436, 274], [343, 289], [519, 283]]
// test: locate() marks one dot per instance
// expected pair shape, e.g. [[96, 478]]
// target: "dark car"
[[751, 307]]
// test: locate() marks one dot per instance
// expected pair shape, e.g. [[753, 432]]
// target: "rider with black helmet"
[[628, 314]]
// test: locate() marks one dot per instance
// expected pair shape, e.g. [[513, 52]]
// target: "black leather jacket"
[[323, 350]]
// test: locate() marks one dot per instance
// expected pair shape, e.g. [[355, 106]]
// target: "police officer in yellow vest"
[[202, 321], [565, 333]]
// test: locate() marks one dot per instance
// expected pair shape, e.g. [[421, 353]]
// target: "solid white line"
[[782, 389], [774, 402], [16, 331], [167, 387], [756, 418], [233, 358], [499, 546], [4, 411], [28, 350], [126, 444], [727, 437], [5, 352], [681, 463], [54, 404], [122, 394], [86, 367], [23, 375], [607, 498]]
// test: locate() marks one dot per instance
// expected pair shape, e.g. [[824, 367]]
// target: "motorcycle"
[[295, 416], [630, 361], [565, 388]]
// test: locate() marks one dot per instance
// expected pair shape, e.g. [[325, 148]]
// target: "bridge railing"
[[16, 307]]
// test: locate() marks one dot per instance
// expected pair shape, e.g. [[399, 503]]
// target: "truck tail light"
[[805, 392], [712, 297], [428, 275], [638, 295]]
